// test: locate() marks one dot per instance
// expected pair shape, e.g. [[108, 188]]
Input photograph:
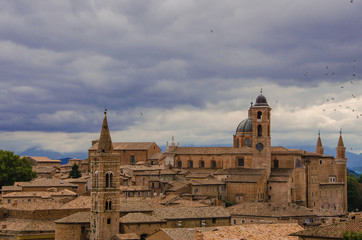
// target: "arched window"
[[260, 130], [247, 142], [259, 115], [108, 205], [241, 162], [276, 163], [213, 164], [107, 179], [190, 164], [202, 164], [179, 164], [237, 143]]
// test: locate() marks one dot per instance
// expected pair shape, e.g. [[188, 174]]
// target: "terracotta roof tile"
[[140, 218], [251, 232], [28, 225], [81, 202], [186, 213], [331, 231], [126, 236], [80, 217], [269, 210]]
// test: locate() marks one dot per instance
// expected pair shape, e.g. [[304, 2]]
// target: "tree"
[[14, 169], [75, 173], [353, 195], [352, 235], [359, 179]]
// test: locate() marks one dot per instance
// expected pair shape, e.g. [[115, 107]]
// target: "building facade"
[[272, 173]]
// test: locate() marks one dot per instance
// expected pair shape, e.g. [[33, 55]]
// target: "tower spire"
[[105, 141], [319, 148], [340, 140]]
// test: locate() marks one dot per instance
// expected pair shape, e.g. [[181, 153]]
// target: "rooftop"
[[127, 146], [139, 218], [80, 217], [191, 213], [334, 231]]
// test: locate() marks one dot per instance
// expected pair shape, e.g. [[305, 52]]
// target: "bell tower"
[[105, 192], [261, 140], [341, 165], [319, 148]]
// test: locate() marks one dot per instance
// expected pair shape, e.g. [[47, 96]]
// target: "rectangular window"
[[214, 220], [132, 159], [108, 221], [234, 221]]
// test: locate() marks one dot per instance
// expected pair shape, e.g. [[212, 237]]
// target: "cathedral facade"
[[253, 170]]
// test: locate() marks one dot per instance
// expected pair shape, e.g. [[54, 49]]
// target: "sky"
[[187, 69]]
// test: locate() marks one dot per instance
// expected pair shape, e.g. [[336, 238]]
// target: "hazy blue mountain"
[[354, 160], [36, 152]]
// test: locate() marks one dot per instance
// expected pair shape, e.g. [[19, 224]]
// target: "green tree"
[[14, 169], [75, 173], [353, 195], [352, 235], [359, 179]]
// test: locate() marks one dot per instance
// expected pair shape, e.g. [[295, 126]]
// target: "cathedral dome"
[[244, 126], [261, 101]]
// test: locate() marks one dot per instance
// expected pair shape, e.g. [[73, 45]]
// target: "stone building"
[[269, 173], [105, 192]]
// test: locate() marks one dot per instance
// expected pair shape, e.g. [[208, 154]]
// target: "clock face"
[[259, 146]]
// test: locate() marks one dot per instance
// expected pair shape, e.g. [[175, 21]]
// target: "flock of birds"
[[332, 103]]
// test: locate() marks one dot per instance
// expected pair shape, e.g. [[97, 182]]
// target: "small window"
[[213, 164], [132, 159], [83, 229], [276, 163], [237, 143], [320, 161], [108, 221], [247, 142], [179, 164], [241, 162], [260, 131], [242, 221], [234, 221], [202, 164], [214, 220], [190, 164]]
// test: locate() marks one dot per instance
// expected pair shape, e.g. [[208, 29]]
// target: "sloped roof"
[[278, 231], [26, 225], [43, 182], [136, 206], [43, 159], [239, 171], [79, 217], [331, 231], [179, 233], [140, 218], [264, 209], [191, 213], [209, 181], [127, 146], [44, 204], [156, 156], [280, 174], [244, 178], [81, 202], [126, 236]]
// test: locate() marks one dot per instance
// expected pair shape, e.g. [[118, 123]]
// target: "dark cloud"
[[62, 62]]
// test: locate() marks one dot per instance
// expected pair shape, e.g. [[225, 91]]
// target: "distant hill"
[[354, 160], [64, 157]]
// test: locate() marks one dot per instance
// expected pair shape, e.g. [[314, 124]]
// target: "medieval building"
[[253, 170]]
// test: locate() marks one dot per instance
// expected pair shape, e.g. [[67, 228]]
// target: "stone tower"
[[319, 148], [261, 140], [341, 165], [105, 193]]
